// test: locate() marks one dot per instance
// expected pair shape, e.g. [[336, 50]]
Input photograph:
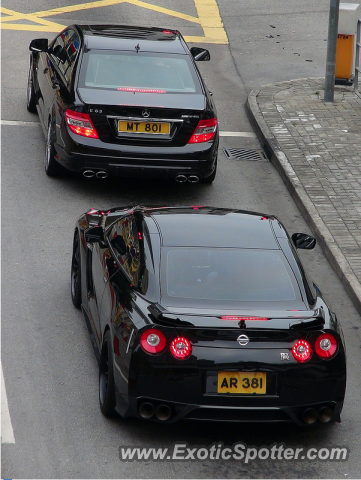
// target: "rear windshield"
[[227, 274], [145, 72]]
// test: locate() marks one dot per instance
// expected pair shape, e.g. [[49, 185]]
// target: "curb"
[[302, 200]]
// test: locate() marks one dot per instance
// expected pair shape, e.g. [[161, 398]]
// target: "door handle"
[[46, 70]]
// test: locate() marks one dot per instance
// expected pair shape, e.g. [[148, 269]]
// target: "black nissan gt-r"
[[207, 314], [123, 100]]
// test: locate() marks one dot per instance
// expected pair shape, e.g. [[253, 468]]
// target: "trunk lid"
[[136, 118]]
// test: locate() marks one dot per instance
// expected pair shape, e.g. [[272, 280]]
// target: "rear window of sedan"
[[228, 274], [145, 72]]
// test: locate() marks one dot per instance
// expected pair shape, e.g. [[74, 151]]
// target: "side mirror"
[[303, 241], [94, 235], [200, 54], [39, 45]]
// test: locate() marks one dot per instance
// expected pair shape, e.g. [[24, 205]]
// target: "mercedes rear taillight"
[[80, 123], [205, 131]]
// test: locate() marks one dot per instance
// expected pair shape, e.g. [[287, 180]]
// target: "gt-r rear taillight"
[[302, 351], [205, 131], [153, 341], [80, 123], [326, 346], [181, 348]]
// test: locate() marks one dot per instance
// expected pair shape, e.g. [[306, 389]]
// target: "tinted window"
[[148, 71], [57, 49], [64, 51], [67, 60], [123, 238], [228, 275]]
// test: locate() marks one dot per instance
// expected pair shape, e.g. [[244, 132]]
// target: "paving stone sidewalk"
[[316, 147]]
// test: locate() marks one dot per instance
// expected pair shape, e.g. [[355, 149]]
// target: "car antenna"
[[137, 48]]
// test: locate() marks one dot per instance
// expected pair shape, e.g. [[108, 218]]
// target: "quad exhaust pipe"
[[88, 173], [193, 179], [181, 178], [187, 178], [146, 410], [325, 414], [162, 412], [92, 173], [311, 415]]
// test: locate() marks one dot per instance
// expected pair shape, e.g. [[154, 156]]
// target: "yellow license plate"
[[242, 382], [125, 126]]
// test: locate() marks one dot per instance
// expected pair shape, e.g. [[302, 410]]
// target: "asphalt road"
[[49, 368]]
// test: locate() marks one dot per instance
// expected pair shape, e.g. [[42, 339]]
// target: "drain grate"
[[244, 154]]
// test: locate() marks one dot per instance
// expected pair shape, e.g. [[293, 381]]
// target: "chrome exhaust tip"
[[88, 173], [325, 414], [146, 410], [310, 415], [163, 412], [181, 178], [101, 174], [193, 179]]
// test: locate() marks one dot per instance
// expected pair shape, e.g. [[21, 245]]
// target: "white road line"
[[19, 124], [7, 433], [222, 134], [238, 134]]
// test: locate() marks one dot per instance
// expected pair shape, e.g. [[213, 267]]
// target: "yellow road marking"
[[211, 22], [164, 10], [46, 25], [97, 4], [208, 18]]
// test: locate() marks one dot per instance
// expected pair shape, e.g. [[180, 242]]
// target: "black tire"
[[31, 99], [52, 167], [106, 378], [76, 272], [212, 176]]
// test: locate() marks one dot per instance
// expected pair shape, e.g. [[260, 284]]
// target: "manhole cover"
[[244, 154]]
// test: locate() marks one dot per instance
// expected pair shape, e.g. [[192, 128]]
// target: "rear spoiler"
[[316, 321], [163, 317]]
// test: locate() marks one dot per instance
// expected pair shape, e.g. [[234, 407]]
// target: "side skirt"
[[91, 334]]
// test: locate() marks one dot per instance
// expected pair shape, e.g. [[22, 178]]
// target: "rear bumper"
[[193, 388], [190, 394], [129, 407], [147, 162]]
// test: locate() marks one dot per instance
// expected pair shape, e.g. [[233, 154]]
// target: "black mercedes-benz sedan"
[[121, 100], [207, 314]]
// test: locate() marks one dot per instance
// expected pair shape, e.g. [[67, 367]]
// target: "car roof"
[[215, 227], [126, 38]]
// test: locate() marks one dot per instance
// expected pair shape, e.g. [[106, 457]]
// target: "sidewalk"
[[316, 148]]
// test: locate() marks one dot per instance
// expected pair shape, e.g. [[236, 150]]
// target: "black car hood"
[[184, 101]]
